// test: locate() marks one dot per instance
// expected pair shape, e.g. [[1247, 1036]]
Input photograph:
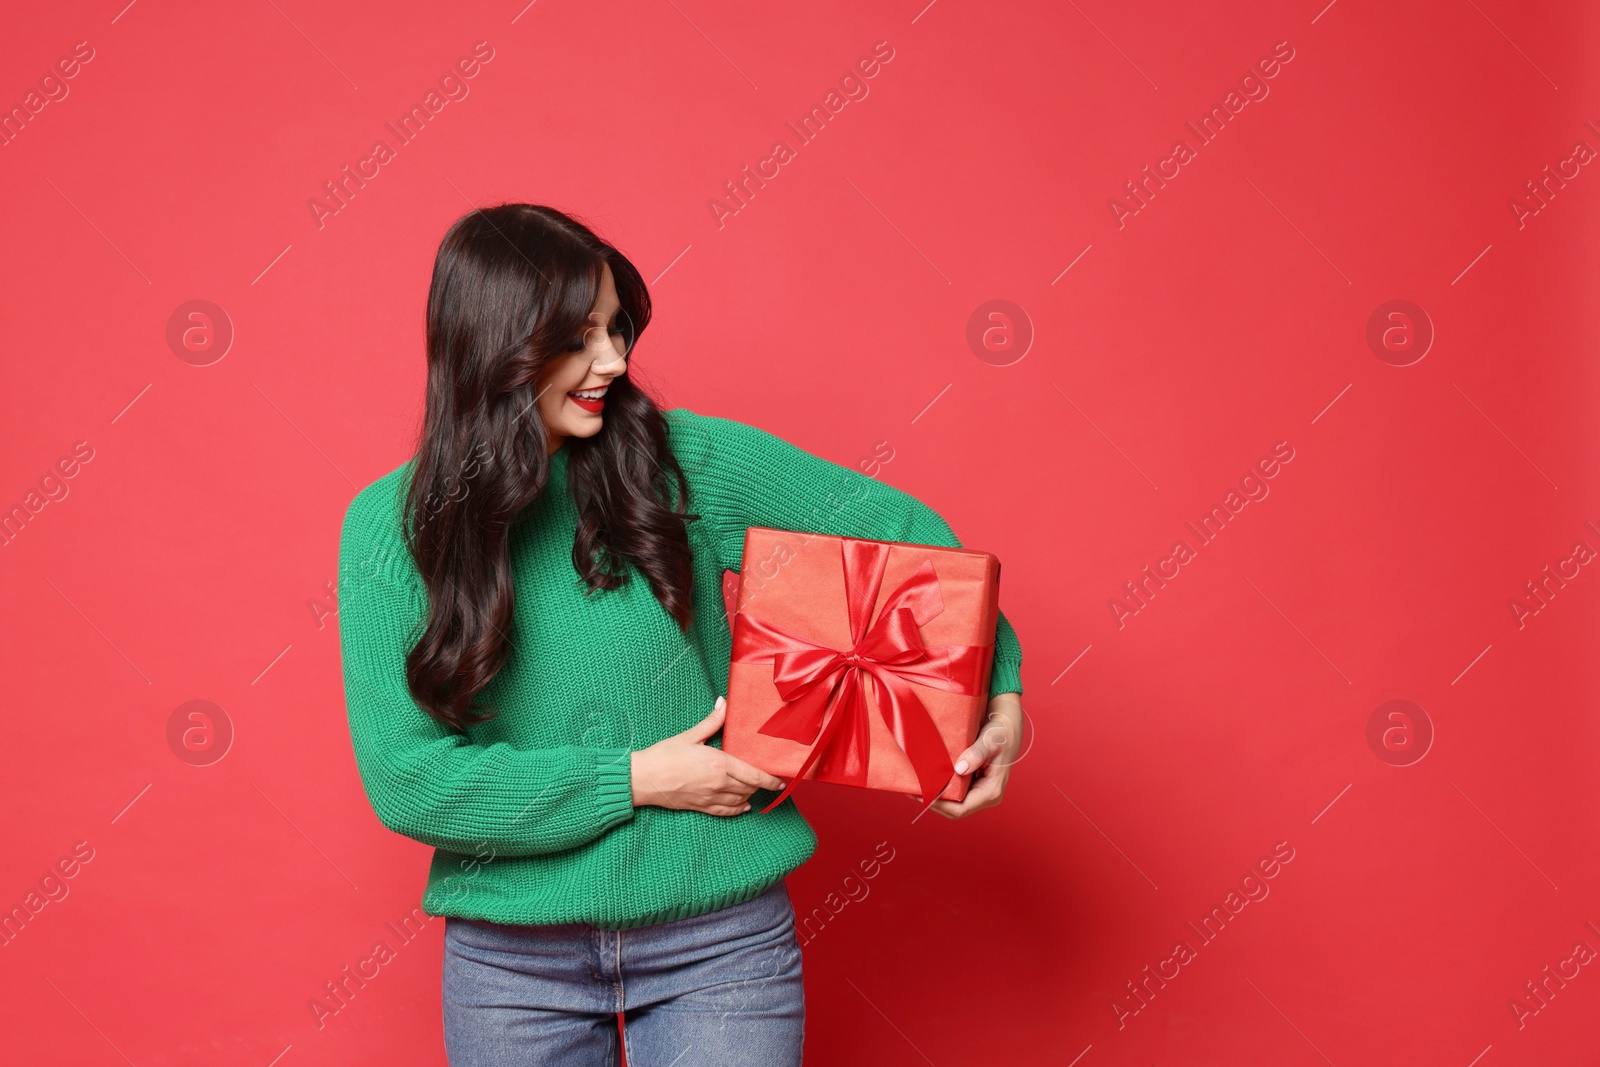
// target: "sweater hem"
[[795, 845], [726, 899]]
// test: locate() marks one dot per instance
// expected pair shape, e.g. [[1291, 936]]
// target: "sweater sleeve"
[[424, 780], [748, 477]]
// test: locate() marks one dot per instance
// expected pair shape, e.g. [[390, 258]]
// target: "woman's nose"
[[605, 354]]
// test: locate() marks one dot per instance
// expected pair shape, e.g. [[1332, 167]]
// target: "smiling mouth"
[[590, 400]]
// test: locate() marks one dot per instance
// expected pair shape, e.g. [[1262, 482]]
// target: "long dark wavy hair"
[[512, 289]]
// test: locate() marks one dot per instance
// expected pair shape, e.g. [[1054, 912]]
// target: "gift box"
[[859, 662]]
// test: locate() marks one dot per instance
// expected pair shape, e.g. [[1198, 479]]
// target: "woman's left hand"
[[989, 758]]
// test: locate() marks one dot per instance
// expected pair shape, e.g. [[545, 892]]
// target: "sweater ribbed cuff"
[[1005, 677], [613, 783]]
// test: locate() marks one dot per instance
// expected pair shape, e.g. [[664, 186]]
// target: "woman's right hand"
[[684, 772]]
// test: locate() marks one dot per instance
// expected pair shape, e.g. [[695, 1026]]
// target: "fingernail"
[[961, 768], [745, 808], [721, 703]]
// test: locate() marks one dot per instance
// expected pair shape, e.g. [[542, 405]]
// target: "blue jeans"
[[717, 989]]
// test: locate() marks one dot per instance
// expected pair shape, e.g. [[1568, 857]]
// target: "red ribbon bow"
[[815, 679]]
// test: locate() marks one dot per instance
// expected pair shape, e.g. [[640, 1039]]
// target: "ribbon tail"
[[844, 702], [846, 760], [914, 731]]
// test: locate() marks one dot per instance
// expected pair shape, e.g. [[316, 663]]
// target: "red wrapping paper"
[[859, 662]]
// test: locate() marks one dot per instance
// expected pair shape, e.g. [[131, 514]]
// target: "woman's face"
[[572, 386]]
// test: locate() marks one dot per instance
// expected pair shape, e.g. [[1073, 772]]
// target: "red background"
[[1169, 755]]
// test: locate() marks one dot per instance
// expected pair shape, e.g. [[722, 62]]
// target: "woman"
[[532, 634]]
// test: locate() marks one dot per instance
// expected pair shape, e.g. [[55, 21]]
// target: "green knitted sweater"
[[531, 814]]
